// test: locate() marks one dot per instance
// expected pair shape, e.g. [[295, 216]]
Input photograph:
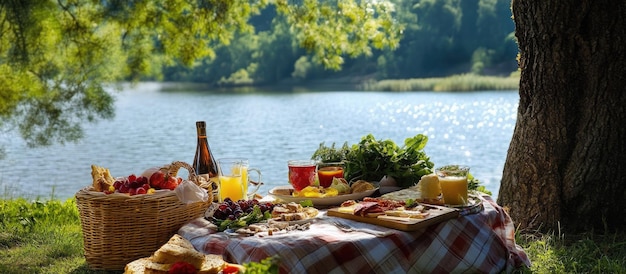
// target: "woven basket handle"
[[173, 168]]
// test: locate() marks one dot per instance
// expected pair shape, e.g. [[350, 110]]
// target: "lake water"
[[153, 127]]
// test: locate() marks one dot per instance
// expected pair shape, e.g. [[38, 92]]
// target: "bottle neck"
[[201, 132]]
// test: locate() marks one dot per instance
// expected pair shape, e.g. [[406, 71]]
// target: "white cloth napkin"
[[188, 192]]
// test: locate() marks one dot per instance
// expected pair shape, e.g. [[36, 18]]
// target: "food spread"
[[375, 207], [252, 216], [391, 213], [148, 182]]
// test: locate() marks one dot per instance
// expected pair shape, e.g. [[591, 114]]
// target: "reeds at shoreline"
[[460, 82]]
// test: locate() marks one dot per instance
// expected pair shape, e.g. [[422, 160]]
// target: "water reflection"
[[154, 128]]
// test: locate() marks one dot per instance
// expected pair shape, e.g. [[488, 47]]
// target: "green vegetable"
[[373, 159], [409, 202], [265, 266], [306, 203], [245, 219]]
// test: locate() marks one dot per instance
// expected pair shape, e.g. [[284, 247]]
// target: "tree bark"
[[566, 164]]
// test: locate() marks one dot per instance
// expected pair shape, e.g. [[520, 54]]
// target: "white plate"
[[325, 201]]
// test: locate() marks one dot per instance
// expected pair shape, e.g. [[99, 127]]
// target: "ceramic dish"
[[325, 201]]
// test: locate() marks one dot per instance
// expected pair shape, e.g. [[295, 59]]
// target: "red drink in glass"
[[301, 174]]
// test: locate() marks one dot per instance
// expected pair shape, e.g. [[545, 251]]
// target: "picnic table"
[[481, 242]]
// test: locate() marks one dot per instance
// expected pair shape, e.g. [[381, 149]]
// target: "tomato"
[[230, 269]]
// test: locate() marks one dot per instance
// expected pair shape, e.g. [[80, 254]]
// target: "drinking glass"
[[301, 173], [230, 178], [453, 181], [327, 171], [245, 179]]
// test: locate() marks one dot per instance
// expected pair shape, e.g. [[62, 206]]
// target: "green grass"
[[45, 237], [461, 82]]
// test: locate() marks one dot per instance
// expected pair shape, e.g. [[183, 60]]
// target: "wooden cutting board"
[[436, 215]]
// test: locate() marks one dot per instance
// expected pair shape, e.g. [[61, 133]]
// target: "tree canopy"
[[439, 38], [58, 58]]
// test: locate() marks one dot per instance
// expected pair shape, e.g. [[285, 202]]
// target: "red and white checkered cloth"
[[477, 243]]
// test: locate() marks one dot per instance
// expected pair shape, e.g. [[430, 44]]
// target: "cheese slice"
[[429, 186], [347, 209]]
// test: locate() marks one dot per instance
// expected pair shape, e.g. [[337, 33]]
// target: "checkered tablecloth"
[[478, 243]]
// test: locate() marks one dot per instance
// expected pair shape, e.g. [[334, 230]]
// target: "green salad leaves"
[[371, 159], [244, 220]]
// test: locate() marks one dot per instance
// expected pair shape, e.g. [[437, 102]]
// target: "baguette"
[[101, 177]]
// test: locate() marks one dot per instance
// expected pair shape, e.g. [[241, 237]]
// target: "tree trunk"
[[566, 164]]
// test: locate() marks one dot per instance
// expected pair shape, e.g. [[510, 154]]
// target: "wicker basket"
[[118, 228]]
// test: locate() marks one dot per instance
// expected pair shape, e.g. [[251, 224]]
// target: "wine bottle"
[[204, 163]]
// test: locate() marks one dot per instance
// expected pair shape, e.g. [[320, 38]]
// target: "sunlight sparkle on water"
[[463, 128]]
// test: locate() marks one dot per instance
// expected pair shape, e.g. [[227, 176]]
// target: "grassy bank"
[[461, 82], [45, 237]]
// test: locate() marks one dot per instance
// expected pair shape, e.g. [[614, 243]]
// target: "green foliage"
[[240, 77], [58, 57], [302, 68], [586, 253], [437, 37], [268, 265], [330, 29], [22, 216], [329, 154]]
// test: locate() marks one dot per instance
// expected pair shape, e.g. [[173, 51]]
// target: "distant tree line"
[[439, 38]]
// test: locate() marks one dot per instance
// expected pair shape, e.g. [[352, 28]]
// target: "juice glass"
[[453, 181], [301, 173], [327, 171], [231, 184], [244, 169]]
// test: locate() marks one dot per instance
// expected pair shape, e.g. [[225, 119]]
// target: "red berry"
[[132, 191], [124, 188], [146, 186], [141, 190], [132, 178]]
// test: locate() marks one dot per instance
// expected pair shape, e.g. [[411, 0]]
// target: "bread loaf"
[[101, 177], [177, 249], [361, 186]]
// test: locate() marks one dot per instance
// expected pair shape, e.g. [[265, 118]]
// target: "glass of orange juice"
[[453, 181], [327, 171], [245, 170], [230, 179]]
